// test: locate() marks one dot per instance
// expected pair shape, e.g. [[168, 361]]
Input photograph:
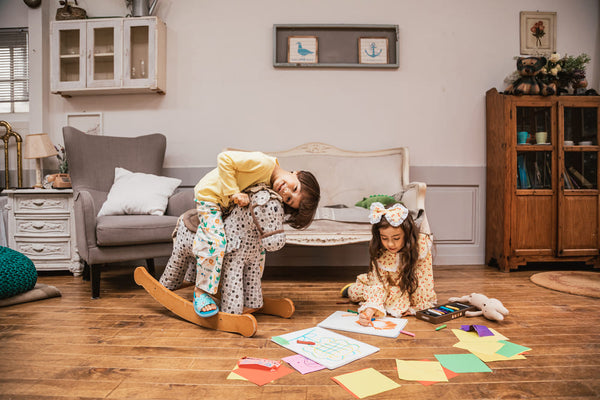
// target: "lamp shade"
[[38, 146]]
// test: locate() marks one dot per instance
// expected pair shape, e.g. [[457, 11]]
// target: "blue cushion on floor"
[[17, 273]]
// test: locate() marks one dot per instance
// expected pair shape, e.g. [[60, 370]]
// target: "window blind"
[[14, 67]]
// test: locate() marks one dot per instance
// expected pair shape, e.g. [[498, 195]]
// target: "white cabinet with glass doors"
[[108, 56]]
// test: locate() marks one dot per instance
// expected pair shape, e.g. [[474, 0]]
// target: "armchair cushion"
[[138, 193], [125, 230]]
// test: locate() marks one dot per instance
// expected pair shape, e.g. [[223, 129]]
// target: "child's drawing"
[[345, 321], [330, 349]]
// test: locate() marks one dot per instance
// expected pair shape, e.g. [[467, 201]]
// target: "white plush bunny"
[[492, 309]]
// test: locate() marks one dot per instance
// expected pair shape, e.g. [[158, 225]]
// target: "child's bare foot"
[[204, 305]]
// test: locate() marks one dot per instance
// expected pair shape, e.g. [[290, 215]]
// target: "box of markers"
[[444, 312]]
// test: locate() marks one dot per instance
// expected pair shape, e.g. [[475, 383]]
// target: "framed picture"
[[88, 122], [372, 50], [538, 33], [303, 49]]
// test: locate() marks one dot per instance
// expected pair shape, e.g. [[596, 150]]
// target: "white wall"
[[222, 89]]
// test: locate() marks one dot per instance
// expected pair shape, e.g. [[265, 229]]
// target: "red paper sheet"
[[260, 376]]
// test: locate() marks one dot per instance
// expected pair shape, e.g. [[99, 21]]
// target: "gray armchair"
[[117, 238]]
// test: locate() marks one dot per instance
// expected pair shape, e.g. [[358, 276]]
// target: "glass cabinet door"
[[580, 148], [104, 46], [534, 138], [139, 40], [578, 206], [534, 217], [68, 58]]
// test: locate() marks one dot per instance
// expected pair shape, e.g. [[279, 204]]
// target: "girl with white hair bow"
[[400, 277]]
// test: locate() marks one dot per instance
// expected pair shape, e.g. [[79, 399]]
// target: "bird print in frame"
[[303, 49]]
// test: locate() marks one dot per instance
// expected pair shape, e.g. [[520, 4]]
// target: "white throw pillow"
[[138, 193]]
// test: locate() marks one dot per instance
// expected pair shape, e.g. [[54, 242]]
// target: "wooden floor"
[[126, 346]]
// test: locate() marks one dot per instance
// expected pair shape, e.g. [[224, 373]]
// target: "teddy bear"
[[492, 309], [529, 83]]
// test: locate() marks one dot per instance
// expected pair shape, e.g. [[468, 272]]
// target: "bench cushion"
[[325, 232]]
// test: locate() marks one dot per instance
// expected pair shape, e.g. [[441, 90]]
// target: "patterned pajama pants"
[[209, 246]]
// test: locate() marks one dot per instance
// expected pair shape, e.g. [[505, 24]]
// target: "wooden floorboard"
[[126, 346]]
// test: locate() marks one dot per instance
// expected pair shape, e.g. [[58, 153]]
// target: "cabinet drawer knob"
[[38, 247], [38, 203], [38, 225]]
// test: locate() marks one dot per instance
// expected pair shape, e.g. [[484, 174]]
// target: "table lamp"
[[38, 146]]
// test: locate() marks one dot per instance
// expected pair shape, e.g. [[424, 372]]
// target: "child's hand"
[[241, 199], [364, 318]]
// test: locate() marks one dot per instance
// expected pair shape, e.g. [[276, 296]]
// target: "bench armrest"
[[413, 197]]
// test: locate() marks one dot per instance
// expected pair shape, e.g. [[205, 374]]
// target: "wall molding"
[[455, 204]]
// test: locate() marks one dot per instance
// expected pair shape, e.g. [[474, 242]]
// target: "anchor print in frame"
[[303, 49], [372, 50]]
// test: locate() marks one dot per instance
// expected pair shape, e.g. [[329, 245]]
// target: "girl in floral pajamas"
[[400, 277]]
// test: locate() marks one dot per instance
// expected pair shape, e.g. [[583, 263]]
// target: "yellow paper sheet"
[[484, 346], [430, 371], [473, 336], [497, 357], [366, 382], [234, 376]]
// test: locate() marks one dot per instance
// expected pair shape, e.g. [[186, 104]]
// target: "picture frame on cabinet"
[[538, 33], [303, 49], [373, 50], [88, 122]]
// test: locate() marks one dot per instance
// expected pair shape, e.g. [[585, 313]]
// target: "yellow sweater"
[[236, 170]]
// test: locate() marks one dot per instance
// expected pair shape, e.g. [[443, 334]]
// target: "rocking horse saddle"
[[191, 220]]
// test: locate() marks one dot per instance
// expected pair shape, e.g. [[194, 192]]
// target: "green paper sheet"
[[511, 349], [462, 363]]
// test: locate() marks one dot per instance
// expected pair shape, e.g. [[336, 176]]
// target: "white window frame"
[[16, 70]]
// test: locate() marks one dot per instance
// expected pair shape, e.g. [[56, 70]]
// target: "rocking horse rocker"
[[251, 231]]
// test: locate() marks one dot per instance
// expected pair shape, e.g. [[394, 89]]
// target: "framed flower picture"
[[372, 50], [538, 33], [88, 122], [303, 49]]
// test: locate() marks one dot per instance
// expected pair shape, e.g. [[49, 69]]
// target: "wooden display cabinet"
[[108, 56], [542, 202]]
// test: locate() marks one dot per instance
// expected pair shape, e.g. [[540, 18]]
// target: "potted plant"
[[567, 73], [63, 179]]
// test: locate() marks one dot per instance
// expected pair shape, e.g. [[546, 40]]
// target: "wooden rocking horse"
[[260, 222]]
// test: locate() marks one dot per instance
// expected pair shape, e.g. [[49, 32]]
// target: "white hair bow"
[[395, 215]]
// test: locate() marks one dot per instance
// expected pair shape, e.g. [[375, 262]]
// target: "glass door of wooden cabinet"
[[140, 52], [68, 55], [578, 204], [534, 215], [104, 47]]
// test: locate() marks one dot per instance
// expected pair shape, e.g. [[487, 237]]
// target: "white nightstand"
[[41, 225]]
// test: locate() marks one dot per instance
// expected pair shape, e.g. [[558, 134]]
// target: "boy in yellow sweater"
[[222, 187]]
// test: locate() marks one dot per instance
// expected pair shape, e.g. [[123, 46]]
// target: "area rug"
[[39, 292], [583, 283]]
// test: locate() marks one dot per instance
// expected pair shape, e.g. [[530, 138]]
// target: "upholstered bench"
[[346, 177]]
